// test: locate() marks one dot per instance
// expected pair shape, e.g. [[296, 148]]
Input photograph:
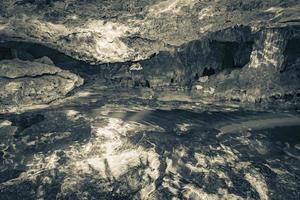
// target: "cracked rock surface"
[[117, 31], [25, 83]]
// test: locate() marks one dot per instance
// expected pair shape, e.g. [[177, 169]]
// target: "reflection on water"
[[115, 152]]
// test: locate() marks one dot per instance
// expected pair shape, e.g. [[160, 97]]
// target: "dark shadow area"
[[23, 122], [290, 72], [5, 53], [208, 72], [289, 134], [292, 52]]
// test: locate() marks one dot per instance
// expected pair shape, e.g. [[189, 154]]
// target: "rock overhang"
[[103, 32]]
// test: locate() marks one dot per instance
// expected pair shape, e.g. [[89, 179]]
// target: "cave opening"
[[233, 55], [229, 50]]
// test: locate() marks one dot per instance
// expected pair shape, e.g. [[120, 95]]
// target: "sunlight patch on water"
[[107, 155]]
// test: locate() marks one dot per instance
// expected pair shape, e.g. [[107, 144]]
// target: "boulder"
[[26, 83]]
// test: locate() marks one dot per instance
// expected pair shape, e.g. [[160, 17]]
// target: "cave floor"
[[108, 145]]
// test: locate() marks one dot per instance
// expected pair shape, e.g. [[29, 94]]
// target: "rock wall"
[[184, 65], [269, 49], [237, 64], [262, 78]]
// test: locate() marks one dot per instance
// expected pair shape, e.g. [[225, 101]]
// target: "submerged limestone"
[[24, 83], [130, 152]]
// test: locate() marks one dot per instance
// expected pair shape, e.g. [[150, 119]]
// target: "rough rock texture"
[[118, 31], [241, 46], [232, 64], [268, 73], [24, 83]]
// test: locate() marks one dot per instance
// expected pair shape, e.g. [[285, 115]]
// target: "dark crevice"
[[147, 84], [292, 51], [32, 51], [208, 72], [291, 65], [28, 76]]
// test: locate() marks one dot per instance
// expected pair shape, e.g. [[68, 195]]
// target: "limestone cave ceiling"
[[109, 31]]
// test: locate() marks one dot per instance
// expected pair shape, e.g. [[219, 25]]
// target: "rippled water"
[[107, 150]]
